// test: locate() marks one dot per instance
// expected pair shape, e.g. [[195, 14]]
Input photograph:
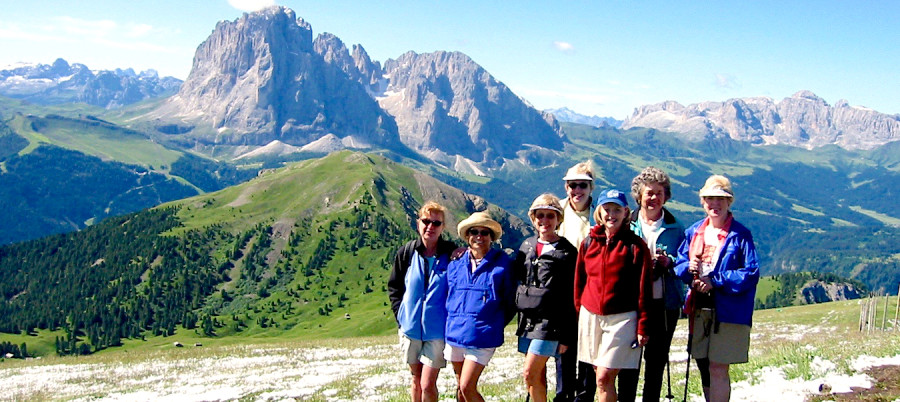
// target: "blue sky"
[[596, 57]]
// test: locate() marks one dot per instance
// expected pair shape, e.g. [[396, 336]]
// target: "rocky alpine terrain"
[[803, 120]]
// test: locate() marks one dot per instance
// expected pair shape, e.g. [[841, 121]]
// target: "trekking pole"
[[897, 311], [669, 396], [690, 341]]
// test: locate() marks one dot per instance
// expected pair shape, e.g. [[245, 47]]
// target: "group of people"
[[601, 292]]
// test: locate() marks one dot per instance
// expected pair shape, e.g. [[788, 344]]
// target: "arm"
[[580, 279], [397, 281], [742, 272], [568, 329], [682, 263], [645, 264]]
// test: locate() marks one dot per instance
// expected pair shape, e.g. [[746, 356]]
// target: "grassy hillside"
[[293, 251]]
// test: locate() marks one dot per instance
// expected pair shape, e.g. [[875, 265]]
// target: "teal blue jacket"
[[669, 240]]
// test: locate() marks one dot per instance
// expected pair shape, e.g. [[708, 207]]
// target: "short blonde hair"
[[546, 200], [599, 221], [718, 182], [432, 207]]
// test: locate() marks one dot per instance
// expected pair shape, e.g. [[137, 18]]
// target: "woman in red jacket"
[[613, 284]]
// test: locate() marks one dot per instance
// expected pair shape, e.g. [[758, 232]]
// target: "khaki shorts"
[[457, 354], [605, 340], [429, 353], [730, 345]]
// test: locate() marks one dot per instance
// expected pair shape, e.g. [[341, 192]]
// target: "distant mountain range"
[[60, 83], [803, 120], [568, 115]]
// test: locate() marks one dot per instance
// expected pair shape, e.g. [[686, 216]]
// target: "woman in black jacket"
[[545, 269]]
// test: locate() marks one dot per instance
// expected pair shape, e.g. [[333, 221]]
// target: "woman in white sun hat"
[[545, 269], [718, 261], [480, 302]]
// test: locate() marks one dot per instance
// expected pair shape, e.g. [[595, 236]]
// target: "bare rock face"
[[803, 120], [446, 105], [816, 291], [259, 78]]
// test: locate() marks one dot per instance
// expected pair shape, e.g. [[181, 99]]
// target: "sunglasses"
[[541, 215], [581, 185], [476, 232], [427, 222]]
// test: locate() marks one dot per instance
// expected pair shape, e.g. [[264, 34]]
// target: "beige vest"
[[575, 225]]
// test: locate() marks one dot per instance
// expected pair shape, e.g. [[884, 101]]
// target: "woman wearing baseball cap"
[[612, 291], [718, 261]]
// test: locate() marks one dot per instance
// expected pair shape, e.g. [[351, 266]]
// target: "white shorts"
[[457, 354], [605, 340], [429, 353]]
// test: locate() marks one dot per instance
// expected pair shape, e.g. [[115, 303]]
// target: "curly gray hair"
[[650, 174]]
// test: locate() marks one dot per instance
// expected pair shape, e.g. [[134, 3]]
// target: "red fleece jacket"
[[614, 277]]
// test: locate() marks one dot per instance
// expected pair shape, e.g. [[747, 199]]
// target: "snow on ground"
[[368, 373]]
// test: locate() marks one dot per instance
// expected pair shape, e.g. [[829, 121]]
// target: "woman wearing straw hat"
[[719, 262], [545, 271], [480, 302]]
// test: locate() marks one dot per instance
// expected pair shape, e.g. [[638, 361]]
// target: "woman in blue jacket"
[[719, 262], [480, 302], [417, 289]]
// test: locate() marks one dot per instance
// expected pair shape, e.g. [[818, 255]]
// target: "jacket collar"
[[668, 218]]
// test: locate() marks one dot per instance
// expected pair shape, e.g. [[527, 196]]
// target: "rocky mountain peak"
[[803, 120], [62, 82], [447, 107], [260, 78]]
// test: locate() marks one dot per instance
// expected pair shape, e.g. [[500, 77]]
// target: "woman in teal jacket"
[[719, 262], [651, 189], [480, 302]]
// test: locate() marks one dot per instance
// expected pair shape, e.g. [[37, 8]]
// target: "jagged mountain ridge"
[[258, 79], [263, 78], [803, 120], [61, 82]]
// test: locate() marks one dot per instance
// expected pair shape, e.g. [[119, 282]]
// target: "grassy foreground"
[[793, 351]]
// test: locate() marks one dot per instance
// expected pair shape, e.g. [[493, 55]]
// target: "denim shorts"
[[538, 347]]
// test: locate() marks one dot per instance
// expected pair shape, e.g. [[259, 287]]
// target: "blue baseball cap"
[[613, 196]]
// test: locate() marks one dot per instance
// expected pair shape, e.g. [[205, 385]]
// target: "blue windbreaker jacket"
[[735, 276], [480, 304]]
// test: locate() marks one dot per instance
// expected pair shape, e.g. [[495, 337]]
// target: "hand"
[[702, 284], [660, 266], [643, 339], [562, 348], [662, 259], [694, 267]]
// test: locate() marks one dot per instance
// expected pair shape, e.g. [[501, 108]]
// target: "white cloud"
[[726, 81], [563, 46], [251, 5]]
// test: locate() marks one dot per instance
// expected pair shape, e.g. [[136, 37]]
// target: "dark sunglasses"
[[581, 185], [427, 222], [541, 215], [476, 232]]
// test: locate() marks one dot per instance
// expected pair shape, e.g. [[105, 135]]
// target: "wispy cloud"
[[726, 81], [105, 33], [563, 46], [251, 5]]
